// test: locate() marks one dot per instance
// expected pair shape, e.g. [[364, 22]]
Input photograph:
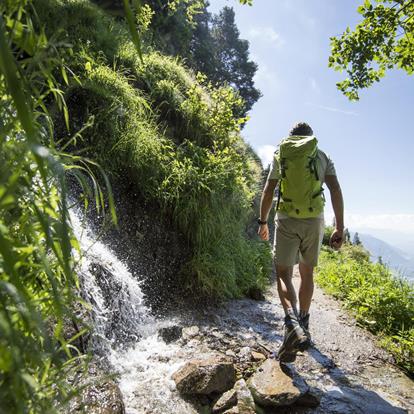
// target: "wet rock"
[[227, 400], [214, 374], [245, 401], [170, 333], [190, 332], [100, 397], [237, 400], [271, 386]]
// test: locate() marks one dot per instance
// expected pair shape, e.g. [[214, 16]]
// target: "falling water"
[[124, 331]]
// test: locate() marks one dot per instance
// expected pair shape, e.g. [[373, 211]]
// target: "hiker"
[[300, 168]]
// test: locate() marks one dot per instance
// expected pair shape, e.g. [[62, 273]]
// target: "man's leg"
[[305, 287], [285, 288], [295, 338], [309, 252]]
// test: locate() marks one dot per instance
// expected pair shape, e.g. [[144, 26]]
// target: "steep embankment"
[[169, 133]]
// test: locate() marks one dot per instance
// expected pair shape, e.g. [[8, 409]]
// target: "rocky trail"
[[344, 372], [184, 361]]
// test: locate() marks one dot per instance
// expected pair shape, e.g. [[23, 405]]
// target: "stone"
[[190, 331], [100, 398], [245, 353], [170, 333], [231, 353], [257, 356], [227, 400], [271, 386], [205, 376], [245, 401]]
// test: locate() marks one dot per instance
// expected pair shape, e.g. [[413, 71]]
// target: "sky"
[[370, 141]]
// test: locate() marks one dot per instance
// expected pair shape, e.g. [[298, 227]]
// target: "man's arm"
[[265, 206], [337, 236]]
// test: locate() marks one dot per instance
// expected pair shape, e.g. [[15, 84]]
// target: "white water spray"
[[125, 332]]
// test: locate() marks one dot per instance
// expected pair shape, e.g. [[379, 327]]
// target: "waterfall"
[[124, 333]]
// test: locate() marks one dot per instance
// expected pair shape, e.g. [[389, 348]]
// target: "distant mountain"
[[393, 256]]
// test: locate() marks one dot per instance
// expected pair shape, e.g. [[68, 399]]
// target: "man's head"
[[301, 128]]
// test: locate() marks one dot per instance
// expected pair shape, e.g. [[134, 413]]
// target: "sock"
[[291, 313], [303, 314]]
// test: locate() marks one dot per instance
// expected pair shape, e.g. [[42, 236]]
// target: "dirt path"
[[345, 366]]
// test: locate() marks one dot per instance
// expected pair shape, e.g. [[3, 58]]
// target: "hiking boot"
[[294, 341], [304, 323]]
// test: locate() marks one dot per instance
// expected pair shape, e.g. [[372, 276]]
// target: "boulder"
[[205, 376], [271, 386]]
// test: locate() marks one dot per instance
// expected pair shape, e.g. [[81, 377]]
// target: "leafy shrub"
[[380, 301]]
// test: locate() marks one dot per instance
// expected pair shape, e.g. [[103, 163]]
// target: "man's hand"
[[337, 238], [263, 232]]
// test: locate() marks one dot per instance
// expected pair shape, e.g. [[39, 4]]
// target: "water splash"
[[124, 331]]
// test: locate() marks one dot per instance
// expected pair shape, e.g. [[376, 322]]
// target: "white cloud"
[[266, 34], [265, 153], [265, 78], [402, 223]]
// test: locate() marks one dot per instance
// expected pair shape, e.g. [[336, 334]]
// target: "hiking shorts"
[[297, 240]]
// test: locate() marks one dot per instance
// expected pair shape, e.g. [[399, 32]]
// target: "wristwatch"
[[259, 221]]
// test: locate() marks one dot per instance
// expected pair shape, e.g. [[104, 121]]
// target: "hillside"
[[393, 256], [88, 114]]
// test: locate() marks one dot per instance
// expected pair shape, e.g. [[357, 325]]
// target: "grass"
[[79, 88], [380, 301], [176, 137]]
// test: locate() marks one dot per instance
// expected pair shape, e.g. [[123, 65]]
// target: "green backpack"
[[300, 190]]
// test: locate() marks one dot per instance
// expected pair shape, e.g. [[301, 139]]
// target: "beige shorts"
[[298, 240]]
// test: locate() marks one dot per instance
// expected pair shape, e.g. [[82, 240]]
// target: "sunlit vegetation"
[[75, 93], [380, 301]]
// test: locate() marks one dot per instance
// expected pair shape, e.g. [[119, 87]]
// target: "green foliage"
[[209, 44], [38, 284], [79, 87], [382, 40], [379, 300], [36, 268], [176, 136]]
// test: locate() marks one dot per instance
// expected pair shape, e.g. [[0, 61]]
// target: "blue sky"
[[371, 141]]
